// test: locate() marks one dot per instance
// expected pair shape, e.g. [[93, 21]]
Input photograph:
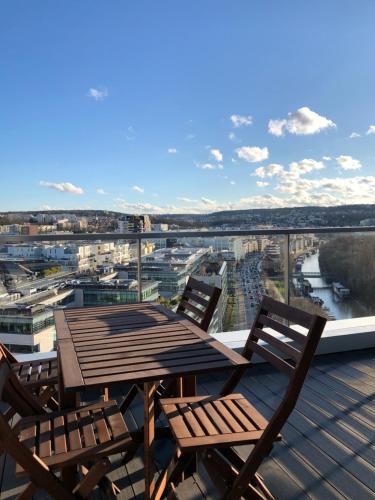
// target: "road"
[[248, 290], [42, 283]]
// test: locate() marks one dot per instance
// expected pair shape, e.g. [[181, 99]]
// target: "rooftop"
[[327, 449]]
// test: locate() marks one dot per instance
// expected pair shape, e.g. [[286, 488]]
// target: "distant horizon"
[[357, 205]]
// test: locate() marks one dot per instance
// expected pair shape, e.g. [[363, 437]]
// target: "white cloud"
[[207, 201], [186, 200], [189, 137], [241, 120], [294, 191], [172, 151], [268, 171], [371, 130], [262, 184], [326, 158], [232, 137], [101, 191], [216, 155], [208, 166], [97, 94], [232, 183], [305, 166], [304, 121], [348, 163], [354, 135], [252, 154], [63, 187], [276, 127], [138, 189]]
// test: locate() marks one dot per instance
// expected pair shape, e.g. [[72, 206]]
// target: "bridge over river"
[[301, 275]]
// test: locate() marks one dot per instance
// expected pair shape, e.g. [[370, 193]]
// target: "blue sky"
[[177, 106]]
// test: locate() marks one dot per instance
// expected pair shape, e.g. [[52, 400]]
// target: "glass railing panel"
[[333, 274], [244, 267], [38, 277], [304, 269]]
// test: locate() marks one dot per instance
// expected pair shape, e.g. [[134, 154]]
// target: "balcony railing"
[[296, 265]]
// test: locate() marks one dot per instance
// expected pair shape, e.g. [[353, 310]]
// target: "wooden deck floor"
[[328, 450]]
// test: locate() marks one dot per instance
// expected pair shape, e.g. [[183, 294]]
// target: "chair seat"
[[37, 373], [207, 421], [75, 436]]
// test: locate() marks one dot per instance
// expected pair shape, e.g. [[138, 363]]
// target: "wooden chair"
[[43, 443], [38, 376], [198, 304], [210, 426]]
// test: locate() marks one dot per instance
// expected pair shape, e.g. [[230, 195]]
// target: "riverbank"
[[340, 309]]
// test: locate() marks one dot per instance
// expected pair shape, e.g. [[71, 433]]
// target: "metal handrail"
[[183, 234], [139, 237]]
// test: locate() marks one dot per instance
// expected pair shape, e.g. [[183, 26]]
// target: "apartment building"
[[134, 224], [74, 256], [27, 324], [170, 267], [114, 291]]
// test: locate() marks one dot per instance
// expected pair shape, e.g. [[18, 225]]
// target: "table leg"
[[149, 437], [189, 386], [67, 400]]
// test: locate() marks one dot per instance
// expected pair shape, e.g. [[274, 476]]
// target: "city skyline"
[[186, 108]]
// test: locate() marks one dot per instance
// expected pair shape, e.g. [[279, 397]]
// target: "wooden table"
[[109, 345]]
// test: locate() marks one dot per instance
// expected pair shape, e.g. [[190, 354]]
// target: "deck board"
[[327, 451]]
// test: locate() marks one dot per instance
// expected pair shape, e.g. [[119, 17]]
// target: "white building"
[[219, 280], [234, 244], [75, 256]]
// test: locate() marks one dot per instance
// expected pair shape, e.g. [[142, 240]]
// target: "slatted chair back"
[[38, 471], [8, 354], [293, 360], [15, 395], [198, 302]]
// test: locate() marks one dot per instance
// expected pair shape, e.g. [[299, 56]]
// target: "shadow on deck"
[[327, 451]]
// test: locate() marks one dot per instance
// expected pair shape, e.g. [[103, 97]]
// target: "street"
[[248, 290]]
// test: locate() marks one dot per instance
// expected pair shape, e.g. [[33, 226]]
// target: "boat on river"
[[340, 290]]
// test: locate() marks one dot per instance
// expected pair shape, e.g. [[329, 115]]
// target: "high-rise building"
[[134, 224]]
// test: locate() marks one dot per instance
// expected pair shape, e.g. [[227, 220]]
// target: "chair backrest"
[[12, 393], [7, 354], [293, 360], [198, 302]]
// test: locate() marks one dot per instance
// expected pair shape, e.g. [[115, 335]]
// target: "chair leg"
[[28, 492], [46, 398], [105, 394], [92, 478], [259, 483], [133, 391], [224, 474], [172, 495], [172, 473], [217, 473]]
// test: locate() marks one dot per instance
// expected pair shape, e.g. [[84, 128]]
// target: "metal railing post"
[[286, 268], [139, 269]]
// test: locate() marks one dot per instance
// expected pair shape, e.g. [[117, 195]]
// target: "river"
[[340, 309]]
